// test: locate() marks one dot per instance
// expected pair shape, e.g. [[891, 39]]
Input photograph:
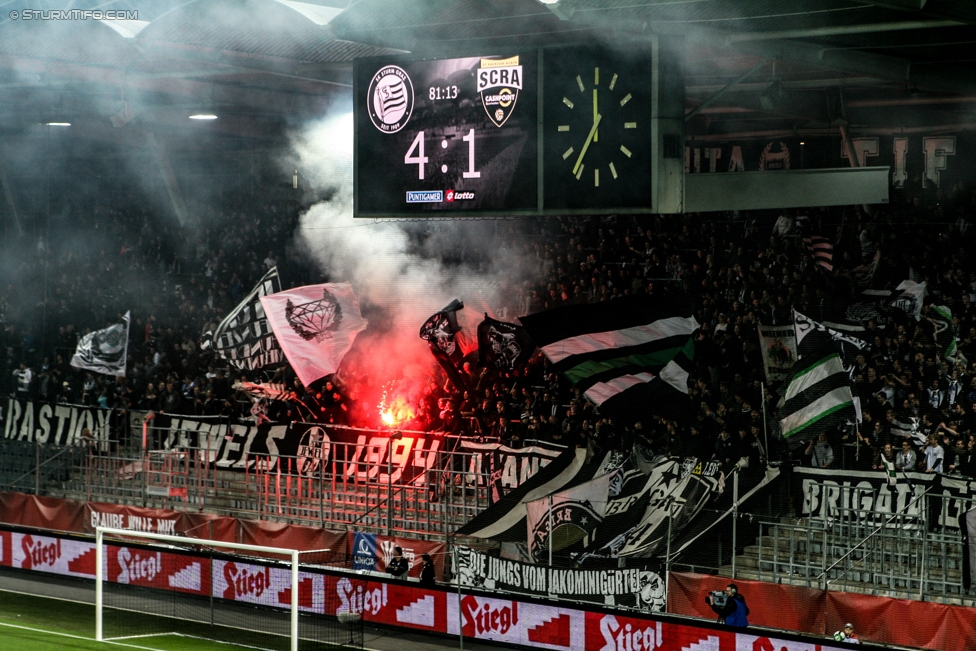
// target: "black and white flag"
[[911, 298], [503, 346], [104, 351], [244, 338], [440, 332]]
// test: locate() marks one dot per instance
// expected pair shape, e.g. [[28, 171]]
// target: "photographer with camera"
[[730, 606]]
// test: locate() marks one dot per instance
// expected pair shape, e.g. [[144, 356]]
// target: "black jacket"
[[427, 575], [398, 567]]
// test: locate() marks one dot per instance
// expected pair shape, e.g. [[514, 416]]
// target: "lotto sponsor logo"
[[431, 196], [244, 581], [451, 195]]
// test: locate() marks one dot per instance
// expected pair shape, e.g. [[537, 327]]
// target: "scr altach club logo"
[[390, 99], [316, 320], [499, 81], [460, 195]]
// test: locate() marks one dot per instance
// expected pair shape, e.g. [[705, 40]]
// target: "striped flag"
[[889, 468], [819, 395], [822, 251], [630, 356]]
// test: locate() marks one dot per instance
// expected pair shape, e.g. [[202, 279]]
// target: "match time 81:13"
[[447, 92]]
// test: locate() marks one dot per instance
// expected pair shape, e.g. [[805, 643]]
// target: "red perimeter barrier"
[[878, 619], [523, 621], [808, 610]]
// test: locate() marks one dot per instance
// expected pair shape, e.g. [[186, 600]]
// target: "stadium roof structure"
[[752, 66]]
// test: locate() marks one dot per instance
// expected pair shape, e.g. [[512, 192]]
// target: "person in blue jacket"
[[731, 611]]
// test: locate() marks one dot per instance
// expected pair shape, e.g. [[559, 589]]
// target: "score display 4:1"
[[465, 141], [415, 156]]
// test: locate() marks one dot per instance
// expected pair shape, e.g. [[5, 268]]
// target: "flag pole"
[[550, 530], [762, 389]]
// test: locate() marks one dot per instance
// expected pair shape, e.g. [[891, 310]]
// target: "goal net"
[[153, 585]]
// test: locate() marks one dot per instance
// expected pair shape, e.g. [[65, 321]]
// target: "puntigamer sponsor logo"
[[425, 196]]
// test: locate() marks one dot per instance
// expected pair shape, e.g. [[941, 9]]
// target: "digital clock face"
[[448, 135]]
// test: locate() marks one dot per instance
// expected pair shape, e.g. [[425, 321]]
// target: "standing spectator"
[[23, 376], [398, 566], [427, 573], [905, 459], [820, 453], [934, 455]]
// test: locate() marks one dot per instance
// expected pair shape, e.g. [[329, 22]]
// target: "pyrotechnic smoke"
[[399, 270]]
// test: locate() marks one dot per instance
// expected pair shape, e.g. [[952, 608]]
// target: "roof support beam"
[[962, 11], [840, 30], [711, 100], [946, 78]]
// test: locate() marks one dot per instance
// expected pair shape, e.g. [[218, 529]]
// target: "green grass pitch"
[[29, 623]]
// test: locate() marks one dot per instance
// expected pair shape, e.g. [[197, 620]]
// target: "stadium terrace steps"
[[798, 552]]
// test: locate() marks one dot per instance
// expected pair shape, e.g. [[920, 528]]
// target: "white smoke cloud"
[[398, 268]]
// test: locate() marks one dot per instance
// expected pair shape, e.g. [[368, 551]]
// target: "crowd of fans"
[[741, 270]]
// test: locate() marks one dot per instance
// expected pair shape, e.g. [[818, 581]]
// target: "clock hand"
[[586, 145]]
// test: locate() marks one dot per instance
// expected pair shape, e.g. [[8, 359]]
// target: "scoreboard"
[[531, 132]]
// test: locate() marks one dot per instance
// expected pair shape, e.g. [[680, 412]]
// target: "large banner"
[[940, 161], [50, 424], [356, 454], [827, 491], [642, 587], [504, 468]]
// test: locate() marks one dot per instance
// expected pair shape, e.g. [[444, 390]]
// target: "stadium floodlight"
[[58, 124], [152, 590], [203, 116]]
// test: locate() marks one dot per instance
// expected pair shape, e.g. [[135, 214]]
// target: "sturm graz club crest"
[[313, 450], [316, 320], [499, 83], [390, 99]]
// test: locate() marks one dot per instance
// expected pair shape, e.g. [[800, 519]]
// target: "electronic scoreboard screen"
[[563, 130], [447, 135]]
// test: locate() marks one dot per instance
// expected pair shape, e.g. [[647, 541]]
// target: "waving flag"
[[244, 338], [503, 346], [315, 326], [104, 351], [630, 356], [440, 333], [819, 395]]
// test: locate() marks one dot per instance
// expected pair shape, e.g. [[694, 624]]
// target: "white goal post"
[[101, 532]]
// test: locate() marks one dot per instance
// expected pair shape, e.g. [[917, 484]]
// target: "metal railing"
[[908, 553], [353, 490]]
